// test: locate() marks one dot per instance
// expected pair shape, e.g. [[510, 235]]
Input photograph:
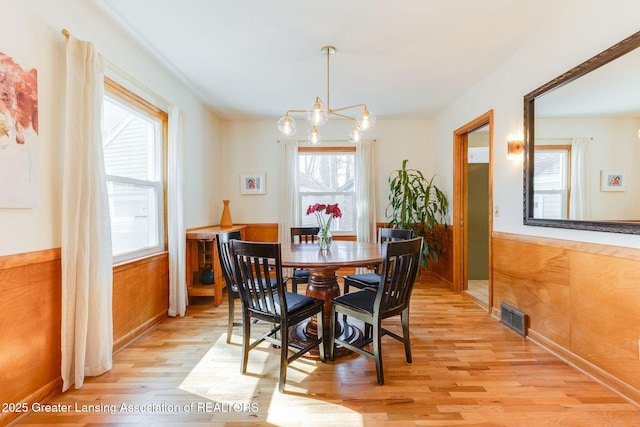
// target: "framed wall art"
[[252, 183], [612, 181]]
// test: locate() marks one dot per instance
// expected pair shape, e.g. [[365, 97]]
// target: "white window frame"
[[352, 194], [565, 191], [131, 100]]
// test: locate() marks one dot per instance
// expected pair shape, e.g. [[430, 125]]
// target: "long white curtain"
[[289, 191], [578, 198], [87, 272], [178, 299], [365, 191]]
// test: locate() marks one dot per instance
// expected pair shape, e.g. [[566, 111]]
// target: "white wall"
[[30, 34], [251, 146], [573, 38]]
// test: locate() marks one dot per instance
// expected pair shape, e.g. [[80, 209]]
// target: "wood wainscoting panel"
[[30, 295], [261, 232], [582, 299], [533, 278], [140, 297], [605, 313], [444, 267]]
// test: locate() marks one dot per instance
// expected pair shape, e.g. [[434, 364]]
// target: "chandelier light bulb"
[[367, 120], [287, 126], [313, 136], [355, 135], [318, 115]]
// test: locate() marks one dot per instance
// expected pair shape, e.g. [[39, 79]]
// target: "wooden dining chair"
[[400, 265], [302, 235], [371, 280], [226, 265], [258, 263]]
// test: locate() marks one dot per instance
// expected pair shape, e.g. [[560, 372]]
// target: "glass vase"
[[324, 240]]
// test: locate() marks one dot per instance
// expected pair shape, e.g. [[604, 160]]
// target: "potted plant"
[[416, 203]]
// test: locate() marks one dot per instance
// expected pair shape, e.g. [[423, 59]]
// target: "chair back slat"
[[226, 263], [304, 234], [257, 265], [394, 234], [400, 267]]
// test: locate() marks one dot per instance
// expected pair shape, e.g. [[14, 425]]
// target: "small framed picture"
[[612, 181], [252, 183]]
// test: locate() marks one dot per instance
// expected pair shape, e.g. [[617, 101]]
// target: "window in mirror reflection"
[[551, 182]]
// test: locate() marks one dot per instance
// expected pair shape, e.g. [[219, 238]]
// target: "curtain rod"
[[128, 76], [324, 140], [564, 139]]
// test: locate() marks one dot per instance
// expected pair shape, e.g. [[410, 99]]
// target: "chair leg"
[[284, 350], [231, 315], [294, 286], [246, 338], [345, 291], [377, 351], [404, 316], [320, 329], [367, 331], [332, 331]]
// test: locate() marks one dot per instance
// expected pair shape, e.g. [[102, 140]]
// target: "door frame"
[[460, 214]]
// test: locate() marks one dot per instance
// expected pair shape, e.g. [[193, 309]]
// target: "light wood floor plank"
[[468, 370]]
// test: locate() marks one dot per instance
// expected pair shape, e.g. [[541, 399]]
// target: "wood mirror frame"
[[625, 46]]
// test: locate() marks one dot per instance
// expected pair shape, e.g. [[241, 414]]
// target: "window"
[[327, 175], [551, 182], [133, 142]]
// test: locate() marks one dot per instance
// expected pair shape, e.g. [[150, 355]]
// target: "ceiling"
[[406, 59]]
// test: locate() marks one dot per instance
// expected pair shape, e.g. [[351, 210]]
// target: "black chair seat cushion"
[[301, 274], [372, 279], [295, 302], [360, 300]]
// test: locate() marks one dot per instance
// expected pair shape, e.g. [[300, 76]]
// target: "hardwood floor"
[[468, 369]]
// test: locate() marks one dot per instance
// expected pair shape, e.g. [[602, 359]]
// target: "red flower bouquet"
[[324, 215]]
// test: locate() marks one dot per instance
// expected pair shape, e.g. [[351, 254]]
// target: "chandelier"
[[319, 114]]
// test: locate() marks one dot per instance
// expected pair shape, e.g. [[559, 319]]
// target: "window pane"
[[130, 142], [331, 172], [134, 217], [133, 155], [550, 171], [345, 202], [328, 178], [549, 205], [551, 178]]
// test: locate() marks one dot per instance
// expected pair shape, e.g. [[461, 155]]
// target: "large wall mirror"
[[582, 145]]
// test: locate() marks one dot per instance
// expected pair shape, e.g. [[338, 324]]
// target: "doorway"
[[473, 209]]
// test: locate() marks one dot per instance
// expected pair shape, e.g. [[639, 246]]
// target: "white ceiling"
[[403, 58]]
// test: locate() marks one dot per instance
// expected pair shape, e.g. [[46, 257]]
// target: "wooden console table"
[[201, 250]]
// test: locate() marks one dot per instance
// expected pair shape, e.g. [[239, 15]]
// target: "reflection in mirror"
[[582, 145]]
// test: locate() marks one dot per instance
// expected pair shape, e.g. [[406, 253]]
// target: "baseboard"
[[625, 390], [139, 331], [43, 394]]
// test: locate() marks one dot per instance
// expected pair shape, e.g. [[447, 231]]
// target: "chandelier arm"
[[333, 112], [296, 111], [349, 107]]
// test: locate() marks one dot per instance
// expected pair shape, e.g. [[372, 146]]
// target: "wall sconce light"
[[514, 147]]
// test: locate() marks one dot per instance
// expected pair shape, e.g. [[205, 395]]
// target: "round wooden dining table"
[[323, 283]]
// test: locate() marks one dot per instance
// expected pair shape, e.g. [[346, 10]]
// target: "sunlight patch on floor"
[[217, 378]]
